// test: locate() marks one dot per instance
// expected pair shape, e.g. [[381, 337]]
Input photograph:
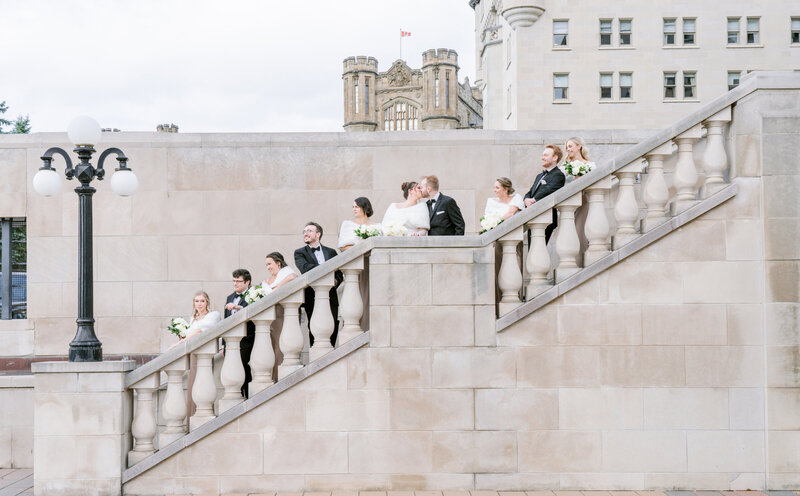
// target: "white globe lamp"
[[84, 131], [47, 182], [124, 182]]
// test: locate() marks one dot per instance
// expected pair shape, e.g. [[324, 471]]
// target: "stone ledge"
[[82, 367], [16, 381]]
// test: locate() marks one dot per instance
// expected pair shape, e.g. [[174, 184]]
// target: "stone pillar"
[[174, 407], [509, 280], [715, 160], [291, 341], [204, 391], [352, 306], [626, 210], [568, 245], [262, 359], [538, 261], [685, 177], [82, 413], [597, 229], [144, 425], [321, 325], [655, 190], [232, 374]]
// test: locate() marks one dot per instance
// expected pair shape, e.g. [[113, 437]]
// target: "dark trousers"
[[246, 349], [309, 306], [548, 231]]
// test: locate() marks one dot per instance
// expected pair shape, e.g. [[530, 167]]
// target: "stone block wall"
[[16, 421]]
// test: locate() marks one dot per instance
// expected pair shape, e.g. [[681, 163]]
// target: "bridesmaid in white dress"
[[505, 202], [279, 274], [410, 214], [362, 211], [202, 318], [577, 151]]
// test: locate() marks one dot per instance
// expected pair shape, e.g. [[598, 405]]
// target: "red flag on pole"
[[403, 34]]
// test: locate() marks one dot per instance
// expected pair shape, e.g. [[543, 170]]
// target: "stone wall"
[[16, 421]]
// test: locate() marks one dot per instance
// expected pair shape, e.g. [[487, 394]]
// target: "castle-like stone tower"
[[402, 98]]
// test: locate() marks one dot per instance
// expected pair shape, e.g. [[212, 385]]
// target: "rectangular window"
[[447, 90], [669, 31], [606, 83], [436, 91], [795, 29], [560, 86], [733, 30], [689, 85], [752, 30], [356, 96], [688, 31], [605, 32], [625, 31], [366, 96], [13, 269], [669, 84], [625, 86], [560, 33], [733, 79]]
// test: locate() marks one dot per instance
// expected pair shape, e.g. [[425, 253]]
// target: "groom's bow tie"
[[318, 248]]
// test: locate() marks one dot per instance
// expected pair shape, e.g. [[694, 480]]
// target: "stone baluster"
[[509, 280], [232, 374], [144, 425], [538, 263], [568, 245], [715, 160], [597, 228], [352, 306], [291, 340], [685, 177], [262, 358], [655, 190], [173, 409], [626, 210], [204, 391], [322, 324]]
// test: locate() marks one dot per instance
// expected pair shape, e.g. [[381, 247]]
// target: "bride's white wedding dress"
[[412, 218]]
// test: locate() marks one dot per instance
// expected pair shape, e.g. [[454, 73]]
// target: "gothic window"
[[356, 95], [447, 89], [436, 91], [400, 116], [366, 96]]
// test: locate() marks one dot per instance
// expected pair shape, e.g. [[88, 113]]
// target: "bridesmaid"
[[279, 274], [362, 211], [202, 318]]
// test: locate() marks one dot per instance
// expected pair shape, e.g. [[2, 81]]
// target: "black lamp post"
[[84, 132]]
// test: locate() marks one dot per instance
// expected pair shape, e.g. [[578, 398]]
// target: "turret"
[[439, 69], [359, 93]]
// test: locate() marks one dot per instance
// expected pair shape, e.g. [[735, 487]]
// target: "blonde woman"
[[576, 152]]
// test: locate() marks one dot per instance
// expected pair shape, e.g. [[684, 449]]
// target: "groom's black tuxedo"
[[305, 260], [446, 218], [547, 182], [246, 343]]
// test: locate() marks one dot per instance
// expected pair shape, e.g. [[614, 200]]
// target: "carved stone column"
[[597, 229], [538, 261], [232, 374], [568, 245], [655, 190], [685, 176], [174, 407], [322, 324], [626, 210], [262, 358], [291, 341], [352, 306], [715, 160], [204, 391], [144, 425], [509, 280]]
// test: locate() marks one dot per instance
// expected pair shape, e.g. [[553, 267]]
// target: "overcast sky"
[[209, 66]]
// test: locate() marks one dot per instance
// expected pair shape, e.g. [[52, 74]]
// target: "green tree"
[[3, 122], [22, 125]]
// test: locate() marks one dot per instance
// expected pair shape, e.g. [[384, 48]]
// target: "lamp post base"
[[86, 353]]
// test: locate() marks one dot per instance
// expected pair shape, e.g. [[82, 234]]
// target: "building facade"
[[578, 64], [402, 98]]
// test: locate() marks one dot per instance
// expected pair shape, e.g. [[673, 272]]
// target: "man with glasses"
[[310, 256], [234, 303]]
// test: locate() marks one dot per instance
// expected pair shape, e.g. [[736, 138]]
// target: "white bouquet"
[[255, 293], [178, 326], [577, 168], [490, 222], [365, 232], [394, 230]]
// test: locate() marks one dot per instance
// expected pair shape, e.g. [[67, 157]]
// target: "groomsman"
[[310, 256], [446, 218], [234, 303], [547, 182]]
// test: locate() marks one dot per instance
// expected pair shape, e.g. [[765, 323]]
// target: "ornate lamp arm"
[[47, 158], [121, 158]]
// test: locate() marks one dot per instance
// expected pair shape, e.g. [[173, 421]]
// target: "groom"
[[547, 182], [234, 303], [308, 257], [446, 218]]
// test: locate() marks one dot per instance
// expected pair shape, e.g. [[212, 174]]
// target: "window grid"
[[625, 31], [795, 30], [400, 116], [669, 84], [733, 79], [560, 31], [560, 86], [689, 31], [733, 30], [752, 30], [606, 84], [13, 242], [689, 85], [669, 32], [625, 85], [605, 32]]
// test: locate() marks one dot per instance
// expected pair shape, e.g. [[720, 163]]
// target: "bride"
[[408, 215]]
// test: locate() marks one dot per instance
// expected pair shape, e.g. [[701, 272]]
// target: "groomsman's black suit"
[[247, 341], [547, 182], [305, 260], [446, 219]]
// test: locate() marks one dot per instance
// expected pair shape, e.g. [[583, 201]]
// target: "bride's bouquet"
[[365, 232], [490, 221], [178, 327], [576, 168], [255, 293], [392, 229]]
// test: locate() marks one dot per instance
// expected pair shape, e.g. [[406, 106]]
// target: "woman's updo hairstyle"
[[277, 258], [364, 204], [406, 187], [505, 183]]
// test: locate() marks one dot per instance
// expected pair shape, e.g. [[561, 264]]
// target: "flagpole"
[[401, 44]]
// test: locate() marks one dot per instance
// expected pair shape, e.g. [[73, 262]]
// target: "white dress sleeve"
[[209, 320], [389, 216], [516, 201], [347, 235], [282, 274], [420, 218]]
